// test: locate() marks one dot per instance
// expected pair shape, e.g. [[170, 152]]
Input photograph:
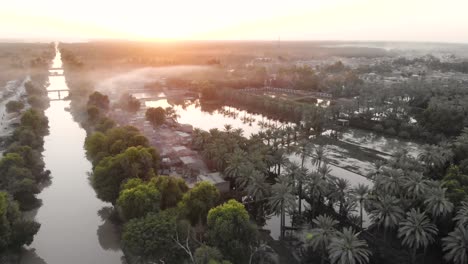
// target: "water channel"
[[74, 226]]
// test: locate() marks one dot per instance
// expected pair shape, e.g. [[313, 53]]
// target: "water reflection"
[[71, 213]]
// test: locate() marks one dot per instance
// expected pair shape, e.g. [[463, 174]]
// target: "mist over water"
[[137, 79]]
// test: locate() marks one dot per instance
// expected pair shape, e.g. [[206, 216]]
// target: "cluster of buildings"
[[173, 142]]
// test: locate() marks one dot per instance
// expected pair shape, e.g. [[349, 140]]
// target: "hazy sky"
[[400, 20]]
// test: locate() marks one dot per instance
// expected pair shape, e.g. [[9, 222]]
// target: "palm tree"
[[389, 181], [304, 150], [361, 192], [234, 163], [347, 248], [257, 187], [318, 156], [316, 188], [324, 170], [227, 128], [386, 212], [462, 214], [455, 245], [417, 231], [437, 203], [296, 174], [282, 198], [415, 185], [319, 238], [341, 187]]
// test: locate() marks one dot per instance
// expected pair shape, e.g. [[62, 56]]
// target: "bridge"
[[56, 69], [59, 95]]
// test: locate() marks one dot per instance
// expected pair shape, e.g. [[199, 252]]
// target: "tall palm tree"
[[389, 181], [324, 170], [386, 212], [257, 187], [319, 238], [437, 203], [341, 187], [417, 231], [462, 214], [361, 192], [316, 188], [415, 184], [347, 248], [282, 199], [318, 156], [297, 175], [455, 245], [304, 150], [234, 163]]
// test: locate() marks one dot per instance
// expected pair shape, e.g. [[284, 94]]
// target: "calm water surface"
[[74, 225]]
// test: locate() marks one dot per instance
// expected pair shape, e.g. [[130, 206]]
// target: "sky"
[[155, 20]]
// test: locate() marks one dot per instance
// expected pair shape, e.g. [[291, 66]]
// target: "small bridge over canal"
[[60, 98], [55, 71]]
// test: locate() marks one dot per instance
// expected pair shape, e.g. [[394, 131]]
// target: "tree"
[[151, 238], [455, 245], [461, 217], [156, 116], [209, 255], [361, 193], [386, 212], [319, 238], [197, 202], [171, 189], [14, 230], [417, 231], [14, 106], [129, 103], [230, 230], [137, 201], [437, 203], [111, 172], [98, 100], [415, 185], [112, 142], [282, 199], [347, 248]]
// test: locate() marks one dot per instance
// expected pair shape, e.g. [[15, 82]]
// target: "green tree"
[[14, 230], [282, 199], [171, 189], [129, 103], [347, 248], [14, 106], [111, 172], [137, 201], [209, 255], [230, 230], [197, 202], [152, 238], [98, 100], [156, 116], [114, 141]]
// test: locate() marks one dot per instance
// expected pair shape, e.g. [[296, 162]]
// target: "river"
[[74, 225]]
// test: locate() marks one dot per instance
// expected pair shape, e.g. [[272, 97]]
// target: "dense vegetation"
[[21, 166]]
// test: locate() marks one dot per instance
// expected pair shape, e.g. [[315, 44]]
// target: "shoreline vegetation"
[[22, 168]]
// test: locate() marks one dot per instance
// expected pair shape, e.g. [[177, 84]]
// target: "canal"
[[74, 224]]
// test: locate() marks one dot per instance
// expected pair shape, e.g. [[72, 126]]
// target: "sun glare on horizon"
[[240, 20]]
